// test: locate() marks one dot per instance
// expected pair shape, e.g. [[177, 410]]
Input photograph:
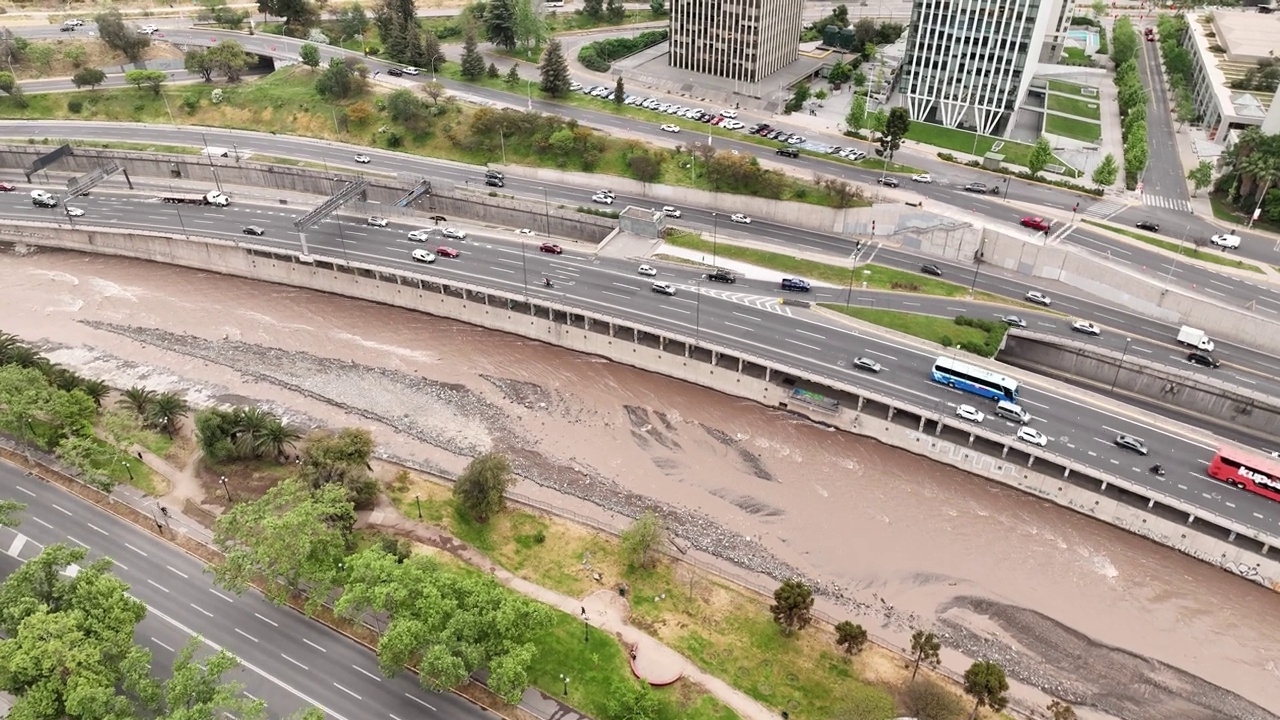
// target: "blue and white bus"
[[974, 379]]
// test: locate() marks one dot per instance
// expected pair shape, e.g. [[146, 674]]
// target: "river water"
[[1068, 604]]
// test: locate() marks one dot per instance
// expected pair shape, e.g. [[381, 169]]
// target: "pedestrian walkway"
[[1105, 209], [1167, 203]]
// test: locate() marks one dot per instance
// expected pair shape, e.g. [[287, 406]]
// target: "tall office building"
[[741, 40], [969, 62]]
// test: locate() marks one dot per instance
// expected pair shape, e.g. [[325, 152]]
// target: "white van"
[[1011, 411], [40, 195]]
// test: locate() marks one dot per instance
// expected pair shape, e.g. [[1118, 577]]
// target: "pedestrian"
[[164, 511], [139, 454]]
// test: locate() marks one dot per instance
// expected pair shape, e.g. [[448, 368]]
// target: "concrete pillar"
[[613, 330], [1066, 472], [1031, 460], [688, 350], [1004, 452], [971, 439], [1265, 548], [938, 430], [920, 427], [1190, 518], [891, 412], [586, 323], [635, 335], [768, 374], [1151, 503], [662, 342], [741, 362], [1232, 536], [715, 358], [1104, 486], [861, 401]]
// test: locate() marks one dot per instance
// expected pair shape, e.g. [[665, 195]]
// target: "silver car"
[[866, 363]]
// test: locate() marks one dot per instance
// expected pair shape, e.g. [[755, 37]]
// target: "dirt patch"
[[67, 55]]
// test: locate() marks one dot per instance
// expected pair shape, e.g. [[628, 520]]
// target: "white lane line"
[[347, 691], [224, 597], [177, 571], [1141, 349], [117, 564], [265, 620], [366, 672], [617, 295], [295, 662], [1215, 292], [95, 527], [806, 332], [197, 607], [797, 342], [86, 547], [143, 554], [15, 547], [749, 317], [624, 285], [740, 327], [420, 702], [246, 635], [686, 312], [314, 645], [166, 647], [873, 352], [60, 509], [19, 487], [42, 522], [153, 582]]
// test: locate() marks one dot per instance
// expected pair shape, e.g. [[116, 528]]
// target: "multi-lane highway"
[[746, 316], [288, 661]]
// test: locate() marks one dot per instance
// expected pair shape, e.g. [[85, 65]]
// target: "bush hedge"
[[599, 55], [994, 329]]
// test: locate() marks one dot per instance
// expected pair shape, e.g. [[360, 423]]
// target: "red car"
[[446, 252], [7, 187], [551, 248], [1036, 223]]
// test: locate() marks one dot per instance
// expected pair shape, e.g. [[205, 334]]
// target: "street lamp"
[[977, 265], [586, 629], [697, 311], [546, 211], [1120, 367], [226, 489], [565, 678], [849, 298], [127, 468], [212, 167], [715, 233], [418, 499]]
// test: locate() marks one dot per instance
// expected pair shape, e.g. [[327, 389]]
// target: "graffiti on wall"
[[1267, 577], [963, 456]]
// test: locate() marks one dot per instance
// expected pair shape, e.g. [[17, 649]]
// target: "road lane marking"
[[873, 352], [740, 327], [347, 691], [246, 634], [366, 672], [314, 645], [295, 662], [153, 582], [624, 285], [42, 522], [143, 554], [95, 527], [749, 317], [806, 332], [420, 702], [177, 571], [166, 647], [60, 509], [197, 607], [797, 342], [272, 622], [686, 312], [86, 547], [15, 547], [606, 292], [19, 487], [224, 597]]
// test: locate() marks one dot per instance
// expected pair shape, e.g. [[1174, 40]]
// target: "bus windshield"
[[974, 379]]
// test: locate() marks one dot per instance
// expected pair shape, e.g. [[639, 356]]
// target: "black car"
[[888, 181], [494, 182], [67, 28], [254, 230], [788, 152], [933, 270], [1147, 225], [795, 284], [395, 72], [1203, 359], [723, 276]]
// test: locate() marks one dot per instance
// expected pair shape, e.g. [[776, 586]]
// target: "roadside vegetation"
[[1194, 248], [974, 335]]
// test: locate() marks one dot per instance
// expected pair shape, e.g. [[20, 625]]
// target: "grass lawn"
[[1224, 211], [1080, 107], [1076, 56], [1067, 87], [1186, 249], [1015, 153], [1073, 128], [943, 331]]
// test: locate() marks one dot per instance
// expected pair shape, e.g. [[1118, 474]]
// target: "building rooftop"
[[1233, 41], [1247, 36]]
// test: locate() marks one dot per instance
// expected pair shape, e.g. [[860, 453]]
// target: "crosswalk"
[[1105, 209], [1167, 203], [769, 304]]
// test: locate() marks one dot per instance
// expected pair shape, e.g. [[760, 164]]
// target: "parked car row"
[[723, 118]]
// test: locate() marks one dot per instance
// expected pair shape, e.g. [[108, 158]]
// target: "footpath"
[[651, 661]]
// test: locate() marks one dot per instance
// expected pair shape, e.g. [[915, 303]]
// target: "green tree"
[[1201, 176], [856, 119], [640, 543], [76, 55], [530, 29], [895, 129], [352, 21], [657, 7], [32, 408], [41, 55], [644, 167], [850, 637], [9, 86], [309, 54], [9, 510], [96, 390], [1099, 8], [925, 648], [1059, 710], [486, 625], [90, 457], [342, 459], [472, 61], [1040, 157], [403, 105], [512, 78], [792, 606], [927, 699], [633, 701], [197, 61], [840, 73], [340, 79], [150, 79], [492, 72], [299, 15], [481, 488], [222, 15], [614, 11], [293, 535], [432, 55], [593, 9], [619, 92], [1124, 41], [120, 37], [1105, 174], [167, 411], [88, 77], [555, 71], [229, 59], [196, 689], [877, 121], [500, 22], [985, 682]]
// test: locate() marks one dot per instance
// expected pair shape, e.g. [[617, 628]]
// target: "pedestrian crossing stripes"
[[1104, 209], [771, 304], [1167, 203]]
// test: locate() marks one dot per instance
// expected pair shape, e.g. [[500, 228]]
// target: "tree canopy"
[[481, 488], [792, 606]]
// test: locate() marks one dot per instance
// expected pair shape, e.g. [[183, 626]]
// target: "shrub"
[[926, 699], [599, 55], [74, 106]]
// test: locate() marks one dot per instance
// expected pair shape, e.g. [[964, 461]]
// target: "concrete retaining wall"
[[647, 349]]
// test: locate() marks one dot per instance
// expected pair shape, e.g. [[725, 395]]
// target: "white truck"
[[1195, 338], [213, 197]]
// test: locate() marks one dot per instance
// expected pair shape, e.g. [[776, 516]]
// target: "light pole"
[[1174, 266], [715, 235], [697, 311], [226, 489], [849, 298], [565, 678], [524, 271], [418, 499], [546, 211], [128, 469], [1120, 367], [977, 265], [212, 168]]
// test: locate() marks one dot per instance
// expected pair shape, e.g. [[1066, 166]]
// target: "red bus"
[[1247, 470]]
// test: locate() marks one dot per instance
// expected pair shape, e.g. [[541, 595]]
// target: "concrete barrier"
[[1196, 532]]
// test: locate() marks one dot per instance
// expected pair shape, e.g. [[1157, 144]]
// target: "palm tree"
[[276, 438], [24, 356], [61, 377], [138, 399], [166, 412], [8, 342], [250, 424], [96, 390]]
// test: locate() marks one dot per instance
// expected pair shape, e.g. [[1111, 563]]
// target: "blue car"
[[795, 284]]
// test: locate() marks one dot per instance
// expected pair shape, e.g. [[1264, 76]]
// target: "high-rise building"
[[969, 63], [741, 40]]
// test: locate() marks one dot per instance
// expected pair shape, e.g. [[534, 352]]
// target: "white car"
[[525, 231], [1037, 297], [733, 124], [796, 140], [925, 178], [1086, 327], [602, 199], [866, 363], [670, 211], [970, 413], [606, 192], [420, 235], [671, 128], [740, 218], [1225, 241], [855, 154], [363, 159], [425, 256], [410, 70], [75, 212], [454, 234], [149, 30], [729, 113], [73, 23], [575, 86], [648, 271], [375, 221], [664, 288], [1032, 435]]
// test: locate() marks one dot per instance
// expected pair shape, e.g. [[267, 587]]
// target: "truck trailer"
[[213, 197]]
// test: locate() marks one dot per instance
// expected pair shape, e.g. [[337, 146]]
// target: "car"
[[411, 71], [420, 235], [925, 178], [970, 413], [888, 181], [664, 288], [1014, 321], [149, 30], [552, 248], [855, 155], [395, 72], [494, 182], [796, 139], [445, 251], [670, 211], [795, 284], [740, 219], [454, 233], [733, 125], [1086, 327], [253, 230], [1037, 297], [1132, 442], [526, 231], [1225, 241], [647, 271], [866, 363], [729, 113], [575, 86], [423, 255], [670, 128], [1204, 359], [67, 28], [1037, 223], [977, 187], [7, 187], [1032, 435], [363, 159], [788, 152], [606, 192], [73, 22], [375, 221], [602, 199], [1147, 225], [723, 276], [933, 270], [77, 212]]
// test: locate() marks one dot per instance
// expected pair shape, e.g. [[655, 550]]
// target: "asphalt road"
[[288, 660], [746, 316], [1164, 175]]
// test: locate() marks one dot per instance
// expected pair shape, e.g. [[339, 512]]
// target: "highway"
[[288, 661], [744, 316]]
